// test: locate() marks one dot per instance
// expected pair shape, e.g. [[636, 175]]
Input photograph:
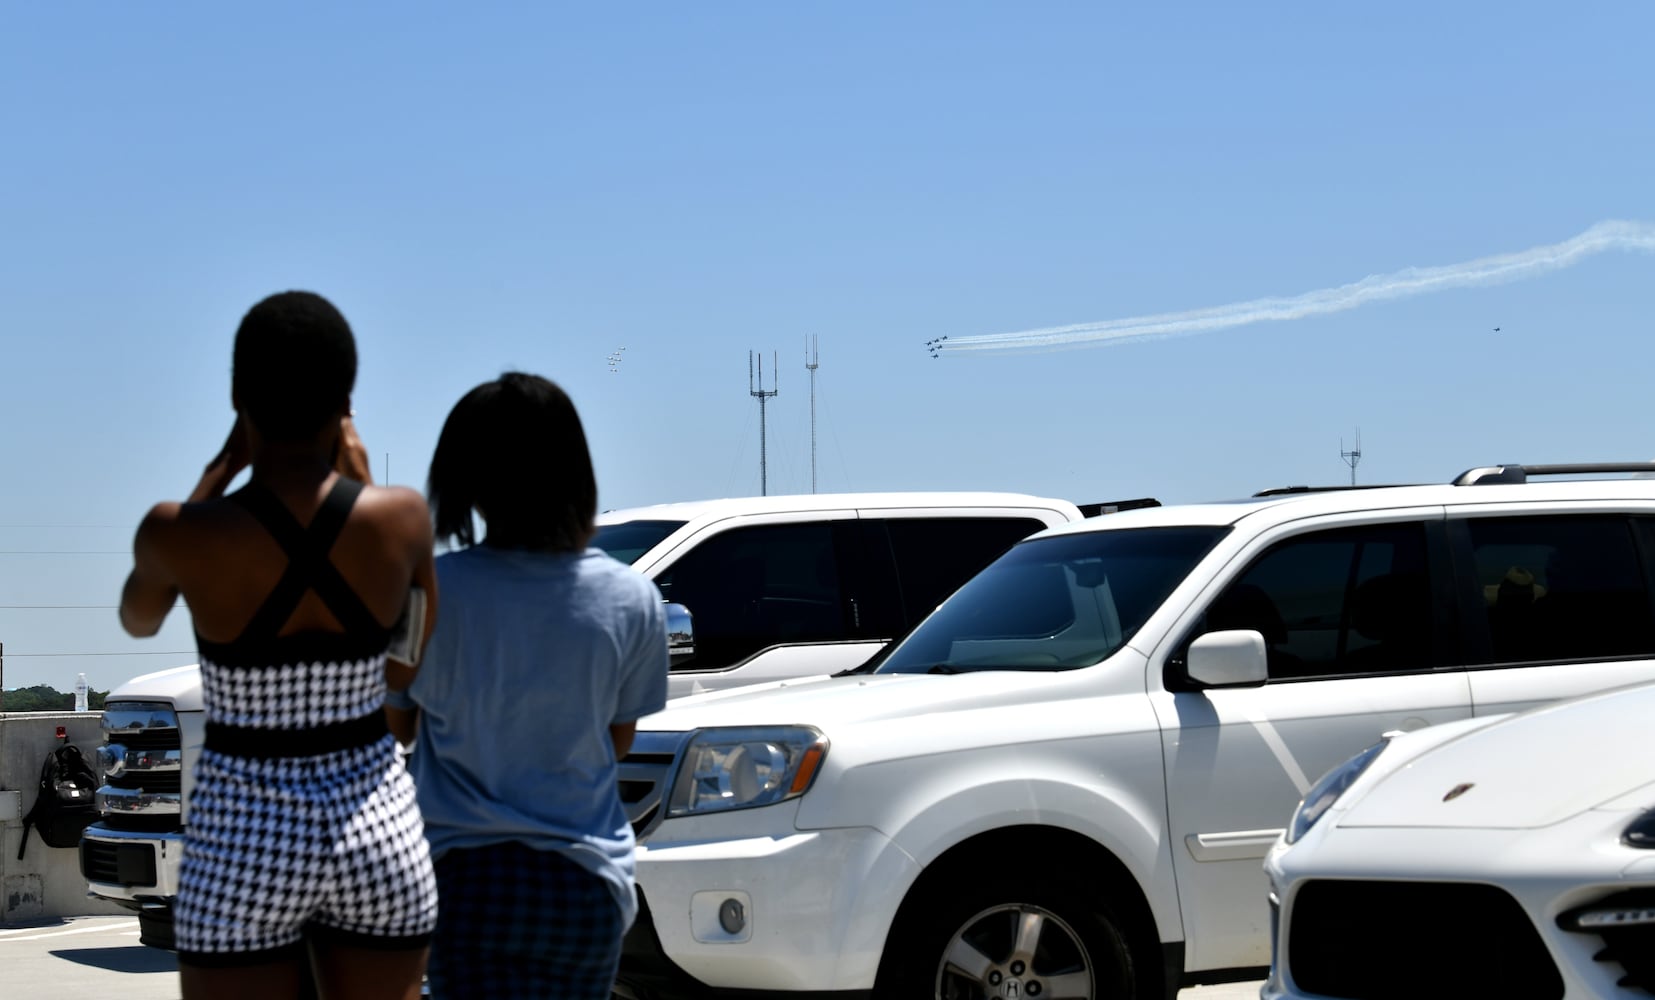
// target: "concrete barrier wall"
[[47, 882]]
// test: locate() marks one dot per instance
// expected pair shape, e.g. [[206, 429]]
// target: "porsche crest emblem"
[[1457, 791]]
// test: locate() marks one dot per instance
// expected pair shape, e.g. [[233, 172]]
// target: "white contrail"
[[1611, 235]]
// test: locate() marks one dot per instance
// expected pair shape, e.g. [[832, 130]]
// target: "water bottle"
[[80, 694]]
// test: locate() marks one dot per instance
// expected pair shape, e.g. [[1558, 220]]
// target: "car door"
[[1357, 617], [1557, 602]]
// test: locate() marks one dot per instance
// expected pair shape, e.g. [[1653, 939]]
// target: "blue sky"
[[494, 186]]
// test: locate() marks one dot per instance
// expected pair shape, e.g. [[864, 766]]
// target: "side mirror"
[[680, 633], [1231, 658]]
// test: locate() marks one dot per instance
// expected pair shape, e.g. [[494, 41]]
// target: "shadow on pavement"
[[132, 958]]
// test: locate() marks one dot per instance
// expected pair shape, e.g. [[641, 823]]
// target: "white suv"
[[1062, 783]]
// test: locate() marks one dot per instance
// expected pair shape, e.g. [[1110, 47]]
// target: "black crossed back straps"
[[297, 717], [308, 566]]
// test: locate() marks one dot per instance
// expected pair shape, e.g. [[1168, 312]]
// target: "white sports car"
[[1509, 857]]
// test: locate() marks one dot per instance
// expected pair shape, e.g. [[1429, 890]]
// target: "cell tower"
[[812, 362], [1353, 456], [763, 395]]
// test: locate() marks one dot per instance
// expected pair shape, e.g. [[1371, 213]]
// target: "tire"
[[1007, 939]]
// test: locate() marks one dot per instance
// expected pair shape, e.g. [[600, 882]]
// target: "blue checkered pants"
[[516, 922]]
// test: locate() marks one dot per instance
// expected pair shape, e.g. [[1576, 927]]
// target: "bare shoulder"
[[178, 527], [399, 508], [162, 524], [162, 515]]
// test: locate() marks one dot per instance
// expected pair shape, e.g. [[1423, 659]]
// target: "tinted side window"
[[1561, 588], [1345, 601], [936, 556], [749, 588]]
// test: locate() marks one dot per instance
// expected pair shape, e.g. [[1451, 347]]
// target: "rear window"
[[934, 556], [1561, 588]]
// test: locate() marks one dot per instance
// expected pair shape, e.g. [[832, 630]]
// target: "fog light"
[[732, 916]]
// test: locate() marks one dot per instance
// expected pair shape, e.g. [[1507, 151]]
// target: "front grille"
[[1630, 943], [645, 773], [121, 864], [142, 764], [1378, 940]]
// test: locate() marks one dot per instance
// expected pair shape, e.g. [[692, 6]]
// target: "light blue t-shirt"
[[534, 656]]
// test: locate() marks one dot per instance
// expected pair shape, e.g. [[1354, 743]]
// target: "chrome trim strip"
[[138, 716], [136, 802], [116, 759], [1238, 845]]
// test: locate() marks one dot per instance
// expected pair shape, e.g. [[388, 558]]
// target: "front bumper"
[[135, 869], [814, 908], [648, 974], [1506, 899]]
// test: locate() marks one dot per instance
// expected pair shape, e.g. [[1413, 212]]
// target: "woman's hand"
[[352, 459], [230, 460]]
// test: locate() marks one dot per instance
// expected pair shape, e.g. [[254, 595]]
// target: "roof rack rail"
[[1491, 475], [1280, 491], [1116, 506]]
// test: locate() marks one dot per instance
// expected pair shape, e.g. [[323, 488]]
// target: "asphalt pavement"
[[81, 958]]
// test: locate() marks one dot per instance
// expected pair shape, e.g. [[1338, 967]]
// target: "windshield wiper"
[[943, 668]]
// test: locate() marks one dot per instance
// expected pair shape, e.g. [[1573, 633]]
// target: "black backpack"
[[66, 802]]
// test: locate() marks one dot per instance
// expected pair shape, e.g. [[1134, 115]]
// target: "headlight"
[[1642, 832], [1326, 791], [745, 768]]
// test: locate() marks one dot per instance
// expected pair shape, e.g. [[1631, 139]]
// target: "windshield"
[[1055, 603], [627, 540]]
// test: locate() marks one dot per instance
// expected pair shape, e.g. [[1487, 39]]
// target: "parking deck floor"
[[79, 958]]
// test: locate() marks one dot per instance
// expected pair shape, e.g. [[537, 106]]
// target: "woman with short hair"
[[304, 843], [547, 653]]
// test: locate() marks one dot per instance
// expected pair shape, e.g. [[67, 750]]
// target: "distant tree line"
[[44, 698]]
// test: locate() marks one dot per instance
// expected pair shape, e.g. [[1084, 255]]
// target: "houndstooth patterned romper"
[[303, 820]]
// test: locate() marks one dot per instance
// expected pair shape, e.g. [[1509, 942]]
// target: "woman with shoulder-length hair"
[[304, 842], [547, 653]]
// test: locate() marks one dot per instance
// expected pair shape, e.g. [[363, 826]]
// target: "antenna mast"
[[812, 362], [1353, 456], [763, 395]]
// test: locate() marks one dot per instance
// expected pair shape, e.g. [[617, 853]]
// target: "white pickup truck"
[[777, 587]]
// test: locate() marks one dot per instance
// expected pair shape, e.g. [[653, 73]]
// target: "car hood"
[[1531, 770], [828, 701], [179, 685]]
